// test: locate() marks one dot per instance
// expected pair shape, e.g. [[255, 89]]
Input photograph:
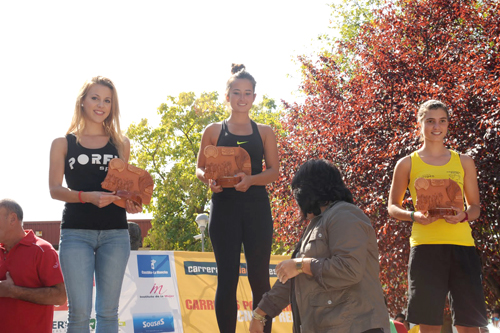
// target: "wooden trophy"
[[223, 163], [437, 196], [129, 182]]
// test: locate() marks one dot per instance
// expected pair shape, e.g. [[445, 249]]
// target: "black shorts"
[[436, 270]]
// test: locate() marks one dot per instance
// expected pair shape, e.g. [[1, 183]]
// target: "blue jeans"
[[81, 253]]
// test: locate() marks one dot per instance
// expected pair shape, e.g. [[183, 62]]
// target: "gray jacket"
[[344, 294]]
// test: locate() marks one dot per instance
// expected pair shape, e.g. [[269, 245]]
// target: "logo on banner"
[[153, 266], [153, 322], [157, 291]]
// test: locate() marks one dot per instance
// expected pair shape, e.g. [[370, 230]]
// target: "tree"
[[362, 116], [169, 153]]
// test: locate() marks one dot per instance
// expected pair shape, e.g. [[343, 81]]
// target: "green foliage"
[[349, 16], [266, 112], [347, 19], [169, 152]]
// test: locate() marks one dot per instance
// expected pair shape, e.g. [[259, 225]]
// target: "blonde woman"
[[94, 232]]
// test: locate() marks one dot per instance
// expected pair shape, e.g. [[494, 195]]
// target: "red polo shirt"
[[400, 327], [32, 263]]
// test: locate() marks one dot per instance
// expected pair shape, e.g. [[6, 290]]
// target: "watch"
[[299, 265]]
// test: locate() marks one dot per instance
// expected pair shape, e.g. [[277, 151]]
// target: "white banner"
[[149, 302]]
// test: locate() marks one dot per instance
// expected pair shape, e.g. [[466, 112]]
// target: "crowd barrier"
[[166, 291]]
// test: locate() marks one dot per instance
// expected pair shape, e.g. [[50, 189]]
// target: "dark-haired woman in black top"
[[241, 215]]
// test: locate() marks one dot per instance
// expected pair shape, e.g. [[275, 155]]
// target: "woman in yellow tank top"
[[443, 259]]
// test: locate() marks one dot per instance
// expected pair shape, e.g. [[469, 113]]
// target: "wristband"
[[466, 218], [259, 317], [412, 217], [80, 197]]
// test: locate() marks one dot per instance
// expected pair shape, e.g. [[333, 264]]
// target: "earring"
[[82, 105]]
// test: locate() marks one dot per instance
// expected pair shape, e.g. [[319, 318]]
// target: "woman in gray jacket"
[[332, 280]]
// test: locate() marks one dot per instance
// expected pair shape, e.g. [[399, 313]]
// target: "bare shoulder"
[[265, 129], [402, 168], [213, 128], [467, 161], [404, 162], [60, 144], [211, 134]]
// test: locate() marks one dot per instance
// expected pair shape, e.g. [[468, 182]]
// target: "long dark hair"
[[317, 183]]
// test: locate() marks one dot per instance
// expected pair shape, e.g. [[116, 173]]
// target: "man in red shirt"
[[31, 281]]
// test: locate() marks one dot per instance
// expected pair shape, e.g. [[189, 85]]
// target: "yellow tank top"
[[438, 232]]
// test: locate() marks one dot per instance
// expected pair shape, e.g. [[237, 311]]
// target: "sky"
[[150, 50]]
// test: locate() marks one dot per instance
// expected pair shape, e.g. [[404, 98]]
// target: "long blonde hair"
[[111, 123]]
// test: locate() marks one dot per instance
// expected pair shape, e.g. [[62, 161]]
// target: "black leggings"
[[240, 218]]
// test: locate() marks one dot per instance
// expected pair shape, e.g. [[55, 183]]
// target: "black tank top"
[[84, 170], [251, 143]]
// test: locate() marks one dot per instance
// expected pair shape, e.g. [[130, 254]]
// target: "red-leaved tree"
[[360, 112]]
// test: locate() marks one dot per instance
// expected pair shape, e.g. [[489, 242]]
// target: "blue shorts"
[[435, 271]]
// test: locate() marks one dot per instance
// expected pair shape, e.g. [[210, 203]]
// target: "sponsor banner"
[[165, 291], [197, 282], [149, 300]]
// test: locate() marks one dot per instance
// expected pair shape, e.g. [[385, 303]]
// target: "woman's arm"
[[272, 162], [58, 153], [272, 303], [400, 180], [256, 325], [348, 241], [471, 193], [207, 138]]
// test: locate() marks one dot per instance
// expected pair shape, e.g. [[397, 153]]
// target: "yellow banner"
[[197, 282]]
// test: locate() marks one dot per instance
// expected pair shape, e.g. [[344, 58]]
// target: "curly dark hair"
[[317, 183]]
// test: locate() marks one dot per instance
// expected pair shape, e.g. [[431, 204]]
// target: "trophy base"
[[127, 195], [227, 182], [440, 212]]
